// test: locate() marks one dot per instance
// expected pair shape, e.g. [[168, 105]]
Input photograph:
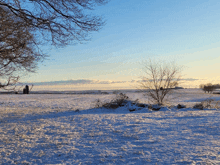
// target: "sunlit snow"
[[67, 129]]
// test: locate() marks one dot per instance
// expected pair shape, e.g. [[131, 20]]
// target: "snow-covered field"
[[67, 129]]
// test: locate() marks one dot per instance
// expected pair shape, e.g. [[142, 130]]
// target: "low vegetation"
[[207, 104], [120, 100], [209, 88], [198, 106]]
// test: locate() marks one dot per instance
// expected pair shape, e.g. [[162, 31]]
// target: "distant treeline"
[[209, 87]]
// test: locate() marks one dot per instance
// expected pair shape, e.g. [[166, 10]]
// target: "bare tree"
[[208, 87], [18, 49], [59, 22], [27, 24], [159, 80]]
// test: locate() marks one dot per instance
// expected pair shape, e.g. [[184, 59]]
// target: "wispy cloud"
[[189, 79], [88, 81], [75, 82], [185, 79]]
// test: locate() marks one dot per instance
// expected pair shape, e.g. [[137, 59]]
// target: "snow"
[[67, 129]]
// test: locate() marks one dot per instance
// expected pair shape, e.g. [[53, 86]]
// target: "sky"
[[187, 32]]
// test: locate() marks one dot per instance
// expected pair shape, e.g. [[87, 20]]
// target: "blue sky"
[[185, 31]]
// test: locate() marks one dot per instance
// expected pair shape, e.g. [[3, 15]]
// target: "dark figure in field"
[[26, 90]]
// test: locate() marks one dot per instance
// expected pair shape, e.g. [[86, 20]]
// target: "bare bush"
[[198, 106], [159, 81], [217, 105], [120, 100], [207, 103], [98, 103], [180, 106], [154, 107]]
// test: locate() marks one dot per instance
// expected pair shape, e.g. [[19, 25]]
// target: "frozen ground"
[[66, 129]]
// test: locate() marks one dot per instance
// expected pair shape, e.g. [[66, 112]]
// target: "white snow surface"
[[67, 129]]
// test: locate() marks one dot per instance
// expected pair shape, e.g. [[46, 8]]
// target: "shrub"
[[208, 87], [98, 103], [155, 107], [179, 106], [198, 106], [120, 100], [207, 103], [204, 104], [217, 105]]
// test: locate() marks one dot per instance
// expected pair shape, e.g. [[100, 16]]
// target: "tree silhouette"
[[18, 48], [27, 24], [59, 22]]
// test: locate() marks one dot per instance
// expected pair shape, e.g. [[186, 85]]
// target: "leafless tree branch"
[[26, 24], [60, 22], [19, 51]]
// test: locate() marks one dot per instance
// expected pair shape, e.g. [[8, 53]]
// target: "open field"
[[67, 129]]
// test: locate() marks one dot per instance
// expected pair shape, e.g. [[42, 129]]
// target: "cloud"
[[185, 79], [189, 79], [74, 82], [87, 81]]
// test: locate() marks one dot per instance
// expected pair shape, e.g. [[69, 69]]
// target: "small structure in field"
[[26, 90]]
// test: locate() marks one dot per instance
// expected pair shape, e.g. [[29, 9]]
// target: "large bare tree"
[[60, 22], [18, 49], [159, 80], [26, 24]]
